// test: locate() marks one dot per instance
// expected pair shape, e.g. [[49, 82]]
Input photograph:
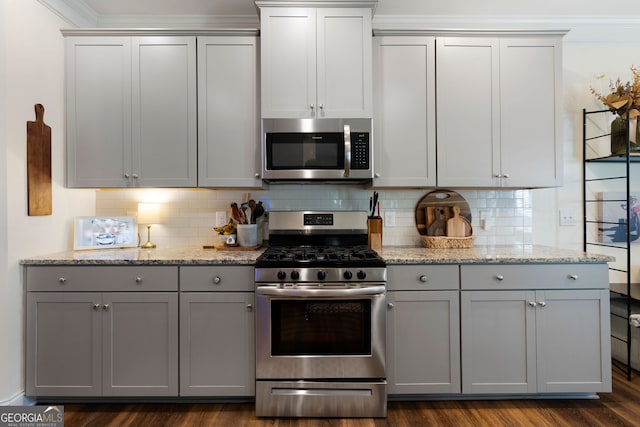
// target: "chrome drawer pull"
[[96, 307], [542, 303], [138, 279], [249, 307], [532, 303], [105, 307], [390, 305], [573, 276], [499, 277], [62, 280], [423, 278], [217, 280]]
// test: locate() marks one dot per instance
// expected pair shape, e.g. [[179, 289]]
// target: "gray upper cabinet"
[[131, 111], [498, 111], [404, 111], [316, 62], [228, 112]]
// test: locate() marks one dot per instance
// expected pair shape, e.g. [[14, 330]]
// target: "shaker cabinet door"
[[98, 101], [228, 112], [64, 344], [404, 112]]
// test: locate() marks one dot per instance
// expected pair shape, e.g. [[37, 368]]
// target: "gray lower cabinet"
[[217, 323], [90, 343], [423, 330], [535, 329]]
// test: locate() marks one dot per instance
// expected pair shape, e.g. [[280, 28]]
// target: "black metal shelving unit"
[[614, 178]]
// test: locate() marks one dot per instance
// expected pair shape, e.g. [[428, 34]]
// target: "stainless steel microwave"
[[317, 149]]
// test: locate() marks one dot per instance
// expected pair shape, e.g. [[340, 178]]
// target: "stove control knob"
[[322, 275], [362, 275], [347, 275], [282, 275], [295, 275]]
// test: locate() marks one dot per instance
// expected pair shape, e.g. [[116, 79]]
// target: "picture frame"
[[105, 232]]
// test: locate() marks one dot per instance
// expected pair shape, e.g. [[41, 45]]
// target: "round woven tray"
[[441, 242]]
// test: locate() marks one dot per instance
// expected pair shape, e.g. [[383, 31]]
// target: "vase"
[[620, 133]]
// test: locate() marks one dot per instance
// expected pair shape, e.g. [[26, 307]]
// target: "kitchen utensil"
[[375, 203], [371, 207], [235, 213], [39, 165]]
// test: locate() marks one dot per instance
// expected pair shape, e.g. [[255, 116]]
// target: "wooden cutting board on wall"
[[39, 165]]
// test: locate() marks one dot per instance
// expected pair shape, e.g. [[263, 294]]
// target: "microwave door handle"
[[347, 150]]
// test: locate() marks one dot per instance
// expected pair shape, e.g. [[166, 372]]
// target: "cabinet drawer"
[[422, 277], [102, 278], [538, 276], [217, 278]]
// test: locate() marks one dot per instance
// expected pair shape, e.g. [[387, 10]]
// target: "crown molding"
[[582, 29], [159, 32], [74, 12], [178, 21]]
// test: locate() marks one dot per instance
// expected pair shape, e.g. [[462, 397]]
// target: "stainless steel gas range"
[[321, 315]]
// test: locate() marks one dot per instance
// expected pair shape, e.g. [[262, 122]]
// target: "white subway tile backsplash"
[[188, 216]]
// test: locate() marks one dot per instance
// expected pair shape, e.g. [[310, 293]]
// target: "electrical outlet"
[[568, 218], [221, 218], [390, 218]]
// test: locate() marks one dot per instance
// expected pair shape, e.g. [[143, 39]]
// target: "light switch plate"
[[390, 218], [221, 218]]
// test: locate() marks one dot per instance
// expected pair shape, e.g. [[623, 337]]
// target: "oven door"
[[320, 333]]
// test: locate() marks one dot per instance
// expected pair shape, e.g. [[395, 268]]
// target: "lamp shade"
[[148, 213]]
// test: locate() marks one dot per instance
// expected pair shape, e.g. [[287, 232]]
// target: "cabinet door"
[[164, 112], [405, 118], [423, 342], [498, 342], [228, 126], [468, 112], [217, 344], [530, 94], [573, 341], [140, 344], [98, 99], [344, 87], [63, 344], [288, 62]]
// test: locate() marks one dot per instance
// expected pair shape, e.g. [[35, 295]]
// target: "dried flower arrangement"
[[624, 98]]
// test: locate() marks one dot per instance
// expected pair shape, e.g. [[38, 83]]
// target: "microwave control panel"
[[359, 150]]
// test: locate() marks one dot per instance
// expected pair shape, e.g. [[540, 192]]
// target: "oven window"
[[320, 327]]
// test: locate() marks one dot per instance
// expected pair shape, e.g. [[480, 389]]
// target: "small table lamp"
[[148, 213]]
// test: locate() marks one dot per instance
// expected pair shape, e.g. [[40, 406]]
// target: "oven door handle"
[[319, 292]]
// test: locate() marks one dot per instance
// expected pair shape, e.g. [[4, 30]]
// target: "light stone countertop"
[[393, 255]]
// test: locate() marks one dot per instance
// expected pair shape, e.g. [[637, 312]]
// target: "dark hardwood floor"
[[619, 408]]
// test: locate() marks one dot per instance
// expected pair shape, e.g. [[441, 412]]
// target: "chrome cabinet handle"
[[532, 303], [390, 305], [256, 175], [249, 307], [542, 303], [105, 307], [347, 150], [497, 175], [377, 175], [573, 276], [217, 280], [96, 307], [126, 175], [321, 106], [423, 278], [505, 175], [62, 280], [312, 106], [499, 277], [138, 279], [134, 176]]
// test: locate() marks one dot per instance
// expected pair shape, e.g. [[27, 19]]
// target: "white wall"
[[32, 71]]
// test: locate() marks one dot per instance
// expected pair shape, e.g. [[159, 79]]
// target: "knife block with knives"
[[374, 224]]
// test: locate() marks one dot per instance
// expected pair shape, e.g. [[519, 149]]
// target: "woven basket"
[[441, 242]]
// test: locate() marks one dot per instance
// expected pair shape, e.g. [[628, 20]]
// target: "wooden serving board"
[[39, 165]]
